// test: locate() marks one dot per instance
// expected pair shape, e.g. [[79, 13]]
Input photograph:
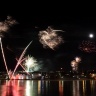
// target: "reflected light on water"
[[28, 89], [61, 88], [47, 88], [84, 87], [93, 87], [92, 83], [39, 87], [11, 88], [31, 88], [47, 83], [76, 88]]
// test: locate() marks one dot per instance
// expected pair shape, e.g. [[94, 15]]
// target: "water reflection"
[[47, 88], [76, 91], [61, 84], [12, 88], [84, 87]]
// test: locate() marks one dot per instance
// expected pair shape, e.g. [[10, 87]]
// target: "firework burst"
[[87, 46], [75, 63], [77, 59], [31, 64], [49, 38]]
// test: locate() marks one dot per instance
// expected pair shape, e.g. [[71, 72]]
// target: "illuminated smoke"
[[5, 25], [49, 38], [10, 21]]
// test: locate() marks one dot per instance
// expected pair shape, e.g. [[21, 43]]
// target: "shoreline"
[[65, 79]]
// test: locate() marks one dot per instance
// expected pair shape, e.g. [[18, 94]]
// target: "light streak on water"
[[76, 88], [39, 87], [84, 87], [61, 88]]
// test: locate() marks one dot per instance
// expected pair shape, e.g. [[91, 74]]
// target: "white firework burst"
[[30, 63]]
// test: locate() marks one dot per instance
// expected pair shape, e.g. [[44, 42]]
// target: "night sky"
[[76, 26]]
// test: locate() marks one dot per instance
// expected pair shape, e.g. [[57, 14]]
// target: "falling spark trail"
[[22, 66], [24, 69], [3, 56], [4, 27], [21, 57]]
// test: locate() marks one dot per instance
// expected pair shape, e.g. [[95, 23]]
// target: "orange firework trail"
[[4, 27], [19, 61], [22, 65], [3, 56]]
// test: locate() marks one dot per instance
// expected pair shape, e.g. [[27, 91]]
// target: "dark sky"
[[76, 25]]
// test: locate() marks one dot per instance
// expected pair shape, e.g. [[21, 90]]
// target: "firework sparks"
[[75, 63], [49, 38], [30, 63], [87, 46], [3, 56], [20, 59], [77, 59], [20, 62], [4, 27]]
